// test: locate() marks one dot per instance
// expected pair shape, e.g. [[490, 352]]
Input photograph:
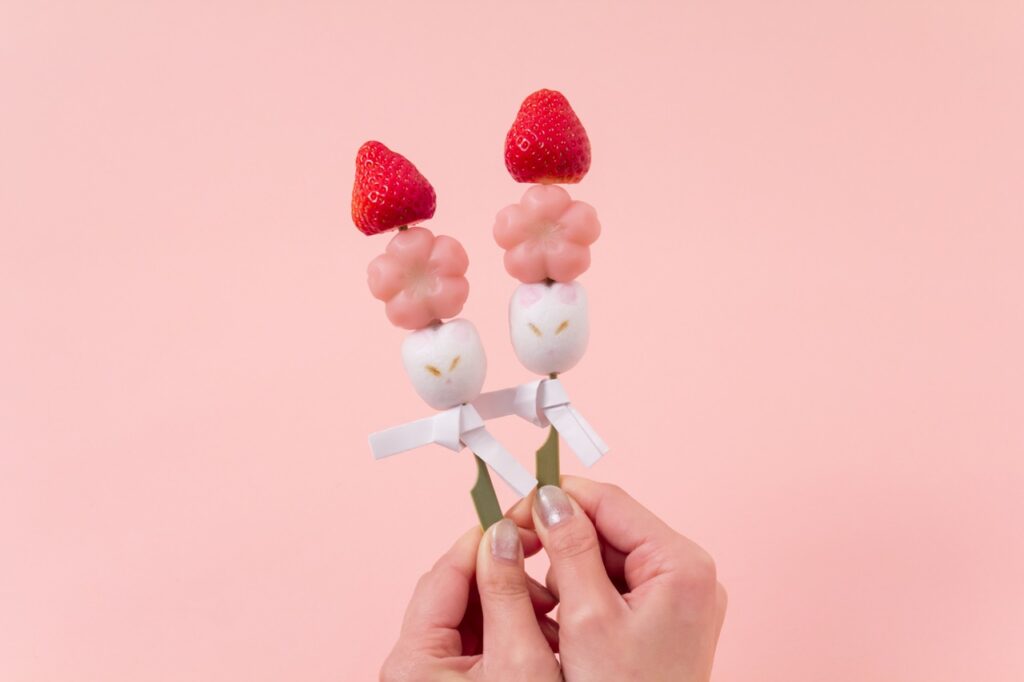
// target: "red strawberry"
[[388, 192], [547, 142]]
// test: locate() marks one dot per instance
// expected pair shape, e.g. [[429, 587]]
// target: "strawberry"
[[547, 142], [388, 192]]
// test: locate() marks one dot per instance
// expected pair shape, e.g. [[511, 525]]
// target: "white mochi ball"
[[445, 363], [549, 325]]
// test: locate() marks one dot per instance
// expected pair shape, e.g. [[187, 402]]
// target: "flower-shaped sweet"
[[420, 278], [546, 235]]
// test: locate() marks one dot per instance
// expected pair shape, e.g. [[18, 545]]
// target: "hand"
[[638, 600], [493, 631]]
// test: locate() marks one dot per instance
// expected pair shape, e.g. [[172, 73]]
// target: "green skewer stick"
[[486, 502], [547, 461], [548, 470]]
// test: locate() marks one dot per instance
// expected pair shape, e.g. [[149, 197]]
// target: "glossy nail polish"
[[505, 540], [552, 505]]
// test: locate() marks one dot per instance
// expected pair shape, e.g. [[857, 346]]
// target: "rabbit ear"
[[419, 339], [461, 329], [566, 293], [528, 294]]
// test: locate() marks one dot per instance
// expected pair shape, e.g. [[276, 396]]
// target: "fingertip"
[[549, 628], [499, 555], [504, 542], [531, 542], [552, 506], [579, 483], [589, 493], [471, 536], [462, 553], [520, 511]]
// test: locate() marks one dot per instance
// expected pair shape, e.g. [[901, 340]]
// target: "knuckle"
[[406, 664], [697, 573], [616, 489], [590, 619], [723, 597], [437, 575], [505, 585], [551, 582], [521, 664], [431, 581], [572, 541], [392, 670], [424, 581], [703, 570]]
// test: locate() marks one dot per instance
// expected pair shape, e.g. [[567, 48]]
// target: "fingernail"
[[505, 540], [553, 505]]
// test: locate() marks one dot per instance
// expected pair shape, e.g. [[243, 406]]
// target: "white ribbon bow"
[[544, 402], [454, 428]]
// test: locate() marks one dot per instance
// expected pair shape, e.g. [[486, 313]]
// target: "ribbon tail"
[[501, 460], [591, 433], [580, 436], [401, 438]]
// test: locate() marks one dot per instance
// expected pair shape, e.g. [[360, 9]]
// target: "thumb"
[[572, 544], [512, 636]]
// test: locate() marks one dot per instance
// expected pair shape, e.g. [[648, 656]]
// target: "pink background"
[[808, 308]]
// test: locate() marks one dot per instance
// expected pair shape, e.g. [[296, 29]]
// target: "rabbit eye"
[[433, 370], [455, 362], [562, 327], [536, 330]]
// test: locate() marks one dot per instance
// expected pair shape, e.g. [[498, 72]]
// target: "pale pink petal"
[[409, 311], [526, 263], [545, 202], [412, 247], [385, 275], [568, 262], [510, 226], [448, 257], [581, 224], [448, 297]]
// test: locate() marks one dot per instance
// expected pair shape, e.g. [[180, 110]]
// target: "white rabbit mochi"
[[549, 325], [445, 363]]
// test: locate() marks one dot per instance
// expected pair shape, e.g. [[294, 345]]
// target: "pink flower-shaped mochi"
[[420, 278], [546, 235]]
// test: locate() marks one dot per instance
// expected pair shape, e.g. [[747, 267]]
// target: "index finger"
[[624, 523], [621, 521], [651, 547], [439, 601]]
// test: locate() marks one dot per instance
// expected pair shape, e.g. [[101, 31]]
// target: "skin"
[[475, 616], [638, 601]]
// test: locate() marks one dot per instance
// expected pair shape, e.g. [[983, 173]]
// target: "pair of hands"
[[637, 601]]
